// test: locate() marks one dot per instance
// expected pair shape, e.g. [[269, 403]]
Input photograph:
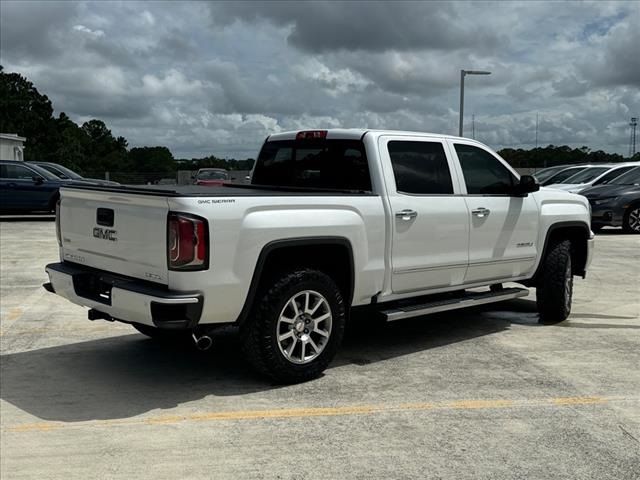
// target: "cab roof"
[[351, 134]]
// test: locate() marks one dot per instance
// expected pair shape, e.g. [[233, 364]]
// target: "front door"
[[19, 190], [429, 218], [503, 228]]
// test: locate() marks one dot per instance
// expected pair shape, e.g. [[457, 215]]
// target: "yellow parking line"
[[284, 413]]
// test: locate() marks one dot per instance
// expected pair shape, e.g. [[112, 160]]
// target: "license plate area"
[[92, 287]]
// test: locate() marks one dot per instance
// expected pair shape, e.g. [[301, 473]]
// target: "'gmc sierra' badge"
[[105, 234]]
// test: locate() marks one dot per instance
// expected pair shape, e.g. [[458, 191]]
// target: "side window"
[[16, 172], [420, 167], [484, 173]]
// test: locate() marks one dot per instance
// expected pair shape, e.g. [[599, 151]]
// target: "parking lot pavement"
[[470, 394]]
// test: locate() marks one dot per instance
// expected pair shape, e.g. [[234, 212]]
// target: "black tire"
[[53, 202], [162, 335], [259, 335], [555, 288], [631, 222], [596, 228]]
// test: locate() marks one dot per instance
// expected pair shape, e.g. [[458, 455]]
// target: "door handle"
[[481, 212], [406, 214]]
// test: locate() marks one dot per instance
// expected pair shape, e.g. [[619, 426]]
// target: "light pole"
[[463, 73]]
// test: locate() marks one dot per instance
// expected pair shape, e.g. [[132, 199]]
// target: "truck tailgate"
[[121, 233]]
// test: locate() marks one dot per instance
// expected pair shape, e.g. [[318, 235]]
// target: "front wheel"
[[555, 288], [295, 327], [631, 221]]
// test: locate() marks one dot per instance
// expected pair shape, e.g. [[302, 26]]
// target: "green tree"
[[153, 162], [104, 152], [23, 110]]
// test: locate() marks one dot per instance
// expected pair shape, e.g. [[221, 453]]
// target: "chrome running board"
[[467, 299]]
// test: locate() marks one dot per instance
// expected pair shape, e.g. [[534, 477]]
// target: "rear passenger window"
[[420, 167], [16, 172], [483, 173]]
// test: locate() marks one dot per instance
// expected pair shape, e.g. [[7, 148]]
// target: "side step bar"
[[468, 299]]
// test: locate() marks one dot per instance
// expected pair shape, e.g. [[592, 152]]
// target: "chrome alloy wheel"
[[304, 327], [634, 219]]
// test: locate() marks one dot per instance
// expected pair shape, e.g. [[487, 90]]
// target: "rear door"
[[430, 220], [503, 228], [121, 233]]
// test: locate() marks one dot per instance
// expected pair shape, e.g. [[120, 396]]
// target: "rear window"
[[212, 175], [324, 164]]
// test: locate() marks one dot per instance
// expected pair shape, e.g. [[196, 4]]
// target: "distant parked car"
[[211, 176], [594, 176], [25, 187], [68, 174], [563, 175], [616, 204], [546, 173]]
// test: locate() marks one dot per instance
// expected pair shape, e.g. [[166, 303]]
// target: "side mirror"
[[38, 180], [528, 184]]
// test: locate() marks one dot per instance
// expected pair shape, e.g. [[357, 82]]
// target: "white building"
[[11, 146]]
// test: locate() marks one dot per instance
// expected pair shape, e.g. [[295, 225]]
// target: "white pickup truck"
[[402, 223]]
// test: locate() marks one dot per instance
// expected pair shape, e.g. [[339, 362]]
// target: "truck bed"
[[228, 190]]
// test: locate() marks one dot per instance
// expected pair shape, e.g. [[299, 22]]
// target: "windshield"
[[44, 173], [563, 175], [60, 171], [212, 175], [632, 177], [547, 173], [586, 175]]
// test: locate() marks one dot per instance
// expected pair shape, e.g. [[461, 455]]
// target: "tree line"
[[91, 149], [552, 155]]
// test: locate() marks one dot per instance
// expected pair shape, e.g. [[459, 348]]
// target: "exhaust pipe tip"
[[203, 342]]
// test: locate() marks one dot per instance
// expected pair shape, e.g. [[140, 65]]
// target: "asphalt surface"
[[484, 393]]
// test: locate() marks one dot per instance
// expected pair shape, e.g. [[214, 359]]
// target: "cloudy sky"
[[216, 78]]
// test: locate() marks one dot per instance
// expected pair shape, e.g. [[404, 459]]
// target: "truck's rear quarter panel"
[[240, 227]]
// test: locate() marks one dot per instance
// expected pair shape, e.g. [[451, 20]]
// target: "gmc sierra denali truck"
[[402, 223]]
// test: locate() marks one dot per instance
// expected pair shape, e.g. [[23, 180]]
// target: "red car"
[[211, 176]]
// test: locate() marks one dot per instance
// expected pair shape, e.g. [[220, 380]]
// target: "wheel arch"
[[331, 255], [578, 233]]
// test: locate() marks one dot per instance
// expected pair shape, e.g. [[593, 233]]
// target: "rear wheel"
[[295, 328], [631, 221], [555, 288]]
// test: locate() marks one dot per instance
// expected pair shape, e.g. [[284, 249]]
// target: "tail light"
[[187, 242], [58, 232]]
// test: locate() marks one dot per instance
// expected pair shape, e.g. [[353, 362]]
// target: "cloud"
[[88, 31], [374, 26], [218, 77]]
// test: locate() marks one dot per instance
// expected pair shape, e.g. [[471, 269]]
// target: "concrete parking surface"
[[470, 394]]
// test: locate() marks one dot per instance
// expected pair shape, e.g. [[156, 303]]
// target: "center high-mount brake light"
[[187, 242], [311, 135]]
